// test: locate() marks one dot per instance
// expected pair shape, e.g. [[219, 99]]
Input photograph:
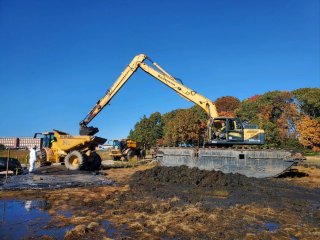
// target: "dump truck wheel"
[[130, 154], [43, 158], [75, 160], [94, 162], [116, 158]]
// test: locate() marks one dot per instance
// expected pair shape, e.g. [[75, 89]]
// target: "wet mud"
[[53, 177], [182, 203], [238, 201], [192, 177]]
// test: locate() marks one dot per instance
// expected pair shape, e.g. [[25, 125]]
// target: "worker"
[[222, 131], [53, 139], [32, 159]]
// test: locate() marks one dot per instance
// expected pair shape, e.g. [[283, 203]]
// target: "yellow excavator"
[[75, 151], [234, 131], [221, 131]]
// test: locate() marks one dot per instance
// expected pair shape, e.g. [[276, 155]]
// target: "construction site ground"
[[153, 202]]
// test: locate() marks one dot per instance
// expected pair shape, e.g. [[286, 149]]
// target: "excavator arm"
[[157, 72], [181, 89]]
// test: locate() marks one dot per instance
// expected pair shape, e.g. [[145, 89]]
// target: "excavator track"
[[258, 163]]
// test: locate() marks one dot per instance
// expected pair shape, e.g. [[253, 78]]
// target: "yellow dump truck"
[[125, 148], [76, 152]]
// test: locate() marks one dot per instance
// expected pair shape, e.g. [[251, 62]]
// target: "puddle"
[[111, 231], [27, 219], [271, 226]]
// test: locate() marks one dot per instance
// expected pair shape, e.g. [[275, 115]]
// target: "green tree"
[[281, 114], [183, 126], [249, 109], [148, 130], [308, 100]]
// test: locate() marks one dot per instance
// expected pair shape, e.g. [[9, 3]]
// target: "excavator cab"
[[229, 131]]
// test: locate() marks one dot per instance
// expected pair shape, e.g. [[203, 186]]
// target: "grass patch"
[[104, 154], [308, 152]]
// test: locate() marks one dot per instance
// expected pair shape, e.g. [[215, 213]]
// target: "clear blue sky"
[[57, 58]]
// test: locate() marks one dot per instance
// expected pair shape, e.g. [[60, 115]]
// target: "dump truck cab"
[[47, 138]]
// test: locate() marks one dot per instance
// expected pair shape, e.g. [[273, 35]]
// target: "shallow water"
[[271, 226], [24, 219]]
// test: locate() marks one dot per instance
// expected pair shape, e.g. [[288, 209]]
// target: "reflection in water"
[[27, 205], [23, 219]]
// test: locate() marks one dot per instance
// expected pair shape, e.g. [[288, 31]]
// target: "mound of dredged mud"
[[191, 176]]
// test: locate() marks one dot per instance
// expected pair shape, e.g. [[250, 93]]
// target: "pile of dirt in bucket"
[[192, 176]]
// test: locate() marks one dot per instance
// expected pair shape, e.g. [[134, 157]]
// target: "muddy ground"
[[151, 202]]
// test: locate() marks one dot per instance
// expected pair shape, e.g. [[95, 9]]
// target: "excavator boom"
[[122, 79], [158, 73]]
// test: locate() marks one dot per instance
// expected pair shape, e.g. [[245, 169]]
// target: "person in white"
[[28, 205], [32, 159]]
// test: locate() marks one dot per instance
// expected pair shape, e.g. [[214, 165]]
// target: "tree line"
[[290, 120]]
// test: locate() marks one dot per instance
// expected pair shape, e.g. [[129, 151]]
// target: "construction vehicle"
[[75, 152], [236, 132], [125, 148], [221, 131]]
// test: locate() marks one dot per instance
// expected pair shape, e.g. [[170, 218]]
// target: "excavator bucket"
[[251, 163]]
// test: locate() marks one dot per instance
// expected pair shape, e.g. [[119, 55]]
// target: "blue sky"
[[57, 58]]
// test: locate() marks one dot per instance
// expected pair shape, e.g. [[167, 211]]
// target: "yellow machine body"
[[57, 145], [126, 148]]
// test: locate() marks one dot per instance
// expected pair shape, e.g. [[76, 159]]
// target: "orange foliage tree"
[[227, 105], [275, 112], [309, 132]]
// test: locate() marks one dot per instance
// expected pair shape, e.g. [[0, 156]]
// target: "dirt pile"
[[193, 177]]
